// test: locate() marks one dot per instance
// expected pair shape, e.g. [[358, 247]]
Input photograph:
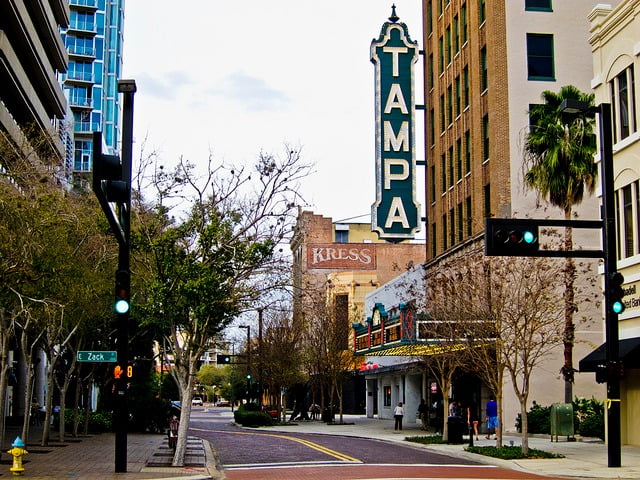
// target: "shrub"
[[251, 418], [589, 417], [538, 419]]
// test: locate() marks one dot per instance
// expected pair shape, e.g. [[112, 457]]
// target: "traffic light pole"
[[121, 413], [610, 266]]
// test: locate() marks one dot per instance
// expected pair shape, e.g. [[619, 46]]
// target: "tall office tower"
[[31, 56], [486, 62], [94, 42]]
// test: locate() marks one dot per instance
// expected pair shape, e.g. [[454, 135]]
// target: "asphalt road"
[[255, 454]]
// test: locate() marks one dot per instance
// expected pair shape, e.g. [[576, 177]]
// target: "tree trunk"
[[5, 333], [525, 426]]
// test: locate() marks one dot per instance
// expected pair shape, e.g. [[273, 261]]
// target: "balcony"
[[83, 4], [84, 52], [79, 78], [79, 27], [81, 103], [86, 127]]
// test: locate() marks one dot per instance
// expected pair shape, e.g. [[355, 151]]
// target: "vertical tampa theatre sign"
[[395, 215]]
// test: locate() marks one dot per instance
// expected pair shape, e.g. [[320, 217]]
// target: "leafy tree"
[[210, 261], [559, 151]]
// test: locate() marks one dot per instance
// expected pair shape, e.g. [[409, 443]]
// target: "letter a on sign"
[[395, 214]]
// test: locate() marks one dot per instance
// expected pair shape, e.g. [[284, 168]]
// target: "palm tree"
[[559, 151]]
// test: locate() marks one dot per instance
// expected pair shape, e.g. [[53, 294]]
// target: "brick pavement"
[[93, 458]]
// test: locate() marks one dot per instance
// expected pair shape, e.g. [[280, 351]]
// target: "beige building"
[[616, 46]]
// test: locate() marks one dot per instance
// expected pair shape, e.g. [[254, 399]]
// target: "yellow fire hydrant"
[[17, 452]]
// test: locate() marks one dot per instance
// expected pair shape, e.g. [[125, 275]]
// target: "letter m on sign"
[[395, 215]]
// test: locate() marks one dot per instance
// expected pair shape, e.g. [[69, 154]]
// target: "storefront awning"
[[629, 354], [416, 349]]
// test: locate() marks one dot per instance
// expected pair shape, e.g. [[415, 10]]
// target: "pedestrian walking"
[[398, 413], [423, 413], [492, 417]]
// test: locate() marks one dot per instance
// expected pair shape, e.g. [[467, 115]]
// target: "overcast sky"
[[242, 76]]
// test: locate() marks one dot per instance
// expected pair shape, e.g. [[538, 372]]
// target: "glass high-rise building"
[[94, 43]]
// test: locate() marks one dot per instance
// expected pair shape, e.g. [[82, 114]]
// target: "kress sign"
[[395, 215]]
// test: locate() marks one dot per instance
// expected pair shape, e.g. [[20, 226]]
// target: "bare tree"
[[207, 245]]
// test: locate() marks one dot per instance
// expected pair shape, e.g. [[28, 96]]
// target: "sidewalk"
[[92, 457], [148, 456], [583, 459]]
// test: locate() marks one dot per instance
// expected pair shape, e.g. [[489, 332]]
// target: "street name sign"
[[97, 356], [395, 215]]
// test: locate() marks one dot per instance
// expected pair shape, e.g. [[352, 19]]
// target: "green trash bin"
[[561, 420]]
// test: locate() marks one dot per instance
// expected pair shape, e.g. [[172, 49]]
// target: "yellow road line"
[[332, 453]]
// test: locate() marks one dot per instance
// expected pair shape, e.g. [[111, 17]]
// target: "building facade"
[[616, 48], [486, 63], [32, 57], [94, 42], [338, 264]]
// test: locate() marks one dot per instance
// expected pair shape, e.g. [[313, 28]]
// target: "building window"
[[627, 220], [444, 232], [441, 55], [342, 236], [484, 75], [465, 77], [469, 218], [485, 138], [482, 10], [463, 17], [433, 240], [387, 395], [432, 127], [460, 220], [540, 65], [341, 233], [429, 8], [458, 109], [538, 5], [430, 78], [452, 227], [443, 118], [459, 159], [449, 105], [467, 151], [448, 44], [451, 172], [456, 34], [432, 170], [443, 169], [487, 200], [622, 89]]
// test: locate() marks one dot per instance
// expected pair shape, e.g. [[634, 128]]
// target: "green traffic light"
[[121, 306], [528, 237], [617, 307]]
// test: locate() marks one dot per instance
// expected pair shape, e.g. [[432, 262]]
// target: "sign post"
[[97, 356]]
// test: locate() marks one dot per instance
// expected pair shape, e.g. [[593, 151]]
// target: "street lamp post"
[[248, 327], [610, 265]]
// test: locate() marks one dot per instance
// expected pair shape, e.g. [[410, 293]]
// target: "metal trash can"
[[561, 420], [456, 428]]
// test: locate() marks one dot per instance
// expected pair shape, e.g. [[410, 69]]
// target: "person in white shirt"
[[398, 413]]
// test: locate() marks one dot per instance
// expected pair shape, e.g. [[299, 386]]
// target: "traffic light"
[[223, 359], [615, 292], [108, 178], [511, 237], [248, 376], [121, 304]]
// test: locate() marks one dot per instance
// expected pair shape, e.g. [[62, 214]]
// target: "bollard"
[[17, 452]]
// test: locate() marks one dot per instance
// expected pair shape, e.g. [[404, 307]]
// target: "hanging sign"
[[395, 215]]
